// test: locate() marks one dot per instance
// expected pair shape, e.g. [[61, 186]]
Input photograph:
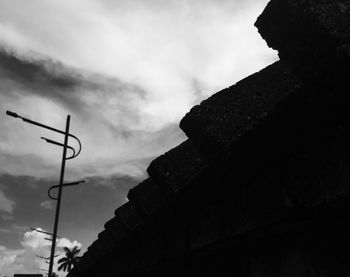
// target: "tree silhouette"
[[70, 260]]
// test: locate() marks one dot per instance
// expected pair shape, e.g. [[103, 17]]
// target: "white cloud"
[[26, 260], [8, 264], [35, 240], [176, 52], [64, 242], [47, 204], [6, 204], [161, 48]]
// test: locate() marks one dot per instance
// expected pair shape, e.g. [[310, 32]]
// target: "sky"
[[126, 72]]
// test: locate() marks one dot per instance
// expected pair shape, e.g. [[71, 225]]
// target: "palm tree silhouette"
[[70, 260]]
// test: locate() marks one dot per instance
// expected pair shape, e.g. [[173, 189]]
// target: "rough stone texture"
[[309, 35], [128, 216], [317, 251], [106, 241], [206, 227], [178, 167], [116, 229], [320, 176], [97, 248], [87, 261], [149, 197], [218, 123], [262, 186]]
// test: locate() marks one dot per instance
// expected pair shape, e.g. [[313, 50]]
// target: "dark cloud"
[[33, 73], [53, 80], [25, 192], [98, 103]]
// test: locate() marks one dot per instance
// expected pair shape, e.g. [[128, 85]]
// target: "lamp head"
[[9, 113]]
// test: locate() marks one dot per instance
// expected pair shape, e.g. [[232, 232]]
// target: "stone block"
[[86, 264], [106, 240], [313, 36], [178, 167], [218, 124], [175, 241], [116, 229], [129, 216], [148, 197], [206, 227], [318, 178], [96, 249]]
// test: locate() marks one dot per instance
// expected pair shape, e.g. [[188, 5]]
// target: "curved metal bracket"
[[64, 185], [75, 154], [62, 145]]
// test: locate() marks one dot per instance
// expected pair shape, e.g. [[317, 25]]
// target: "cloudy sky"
[[126, 72]]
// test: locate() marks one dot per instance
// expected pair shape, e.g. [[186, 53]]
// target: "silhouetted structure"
[[262, 185]]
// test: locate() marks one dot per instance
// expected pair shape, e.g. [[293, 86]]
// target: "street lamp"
[[63, 165], [15, 115]]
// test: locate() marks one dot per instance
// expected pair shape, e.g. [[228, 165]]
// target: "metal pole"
[[58, 205]]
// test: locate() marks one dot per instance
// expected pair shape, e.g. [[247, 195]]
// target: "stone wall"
[[262, 185]]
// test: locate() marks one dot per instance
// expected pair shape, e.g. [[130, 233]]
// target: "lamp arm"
[[15, 115], [77, 153], [60, 144], [64, 185]]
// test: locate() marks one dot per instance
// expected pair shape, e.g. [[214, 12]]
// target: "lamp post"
[[61, 180]]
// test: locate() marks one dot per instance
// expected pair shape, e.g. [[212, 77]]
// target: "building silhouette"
[[261, 186]]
